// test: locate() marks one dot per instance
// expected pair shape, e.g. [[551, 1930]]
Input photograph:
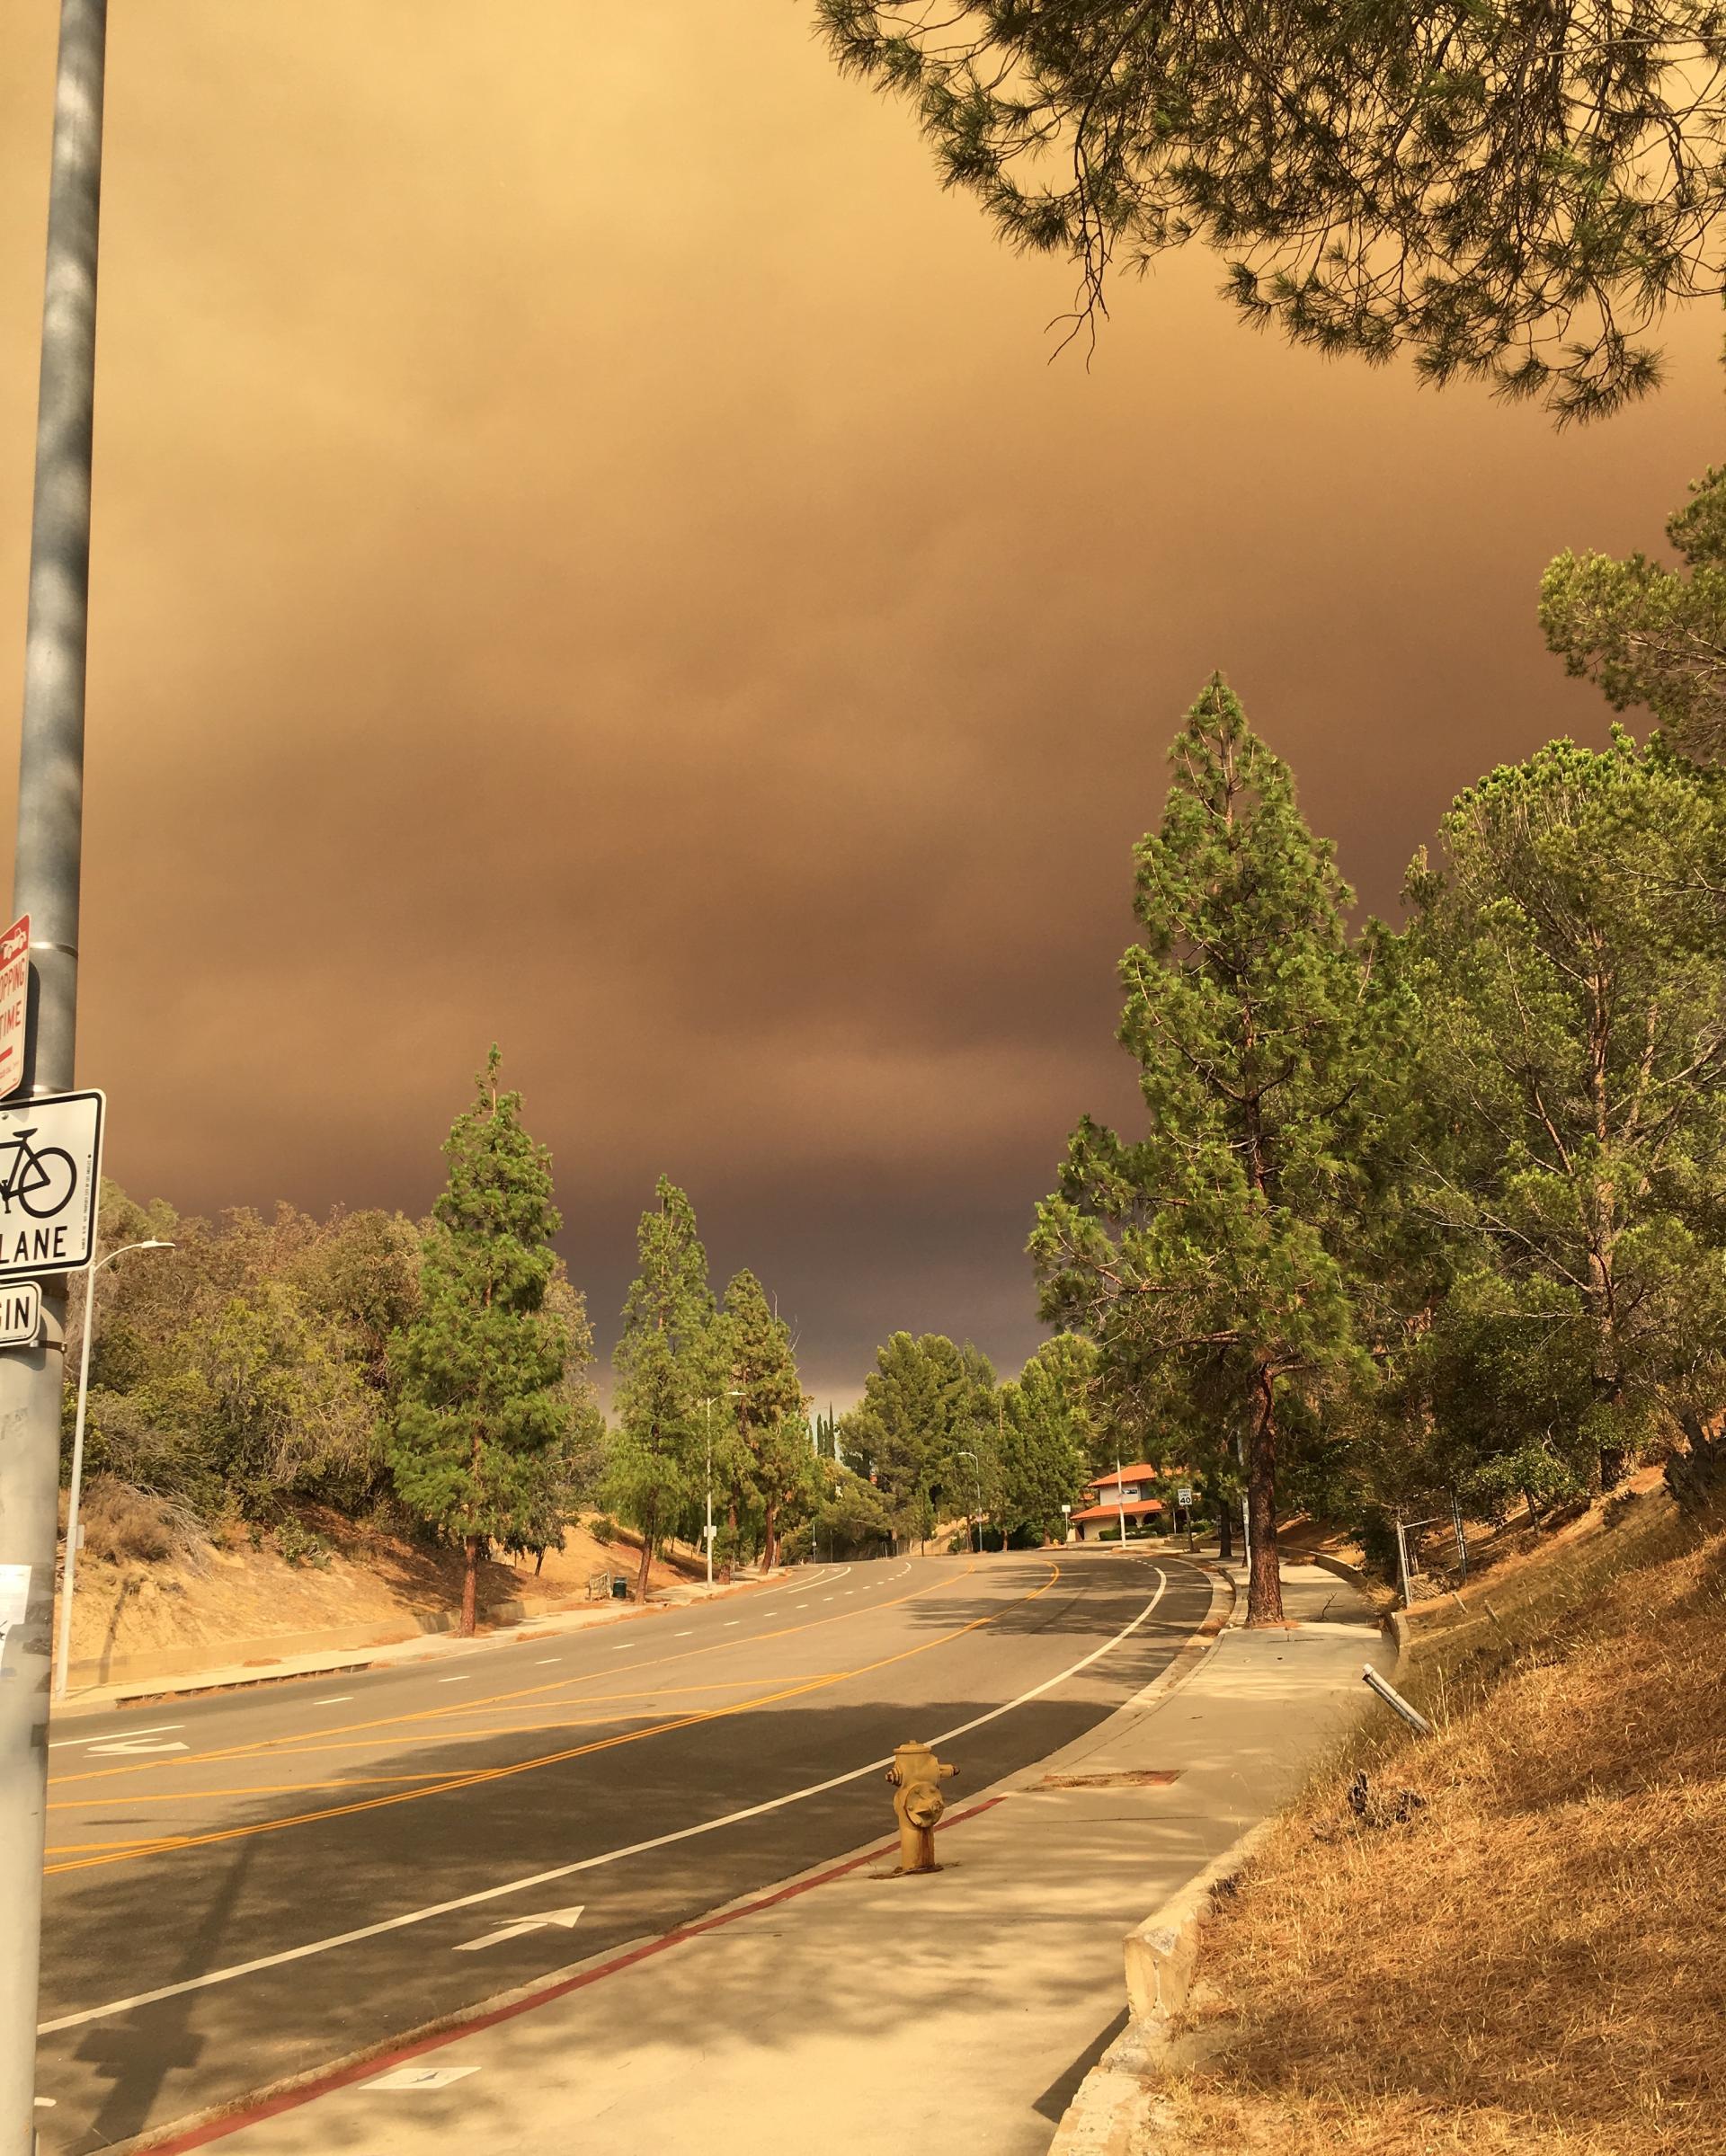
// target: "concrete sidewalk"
[[860, 2013]]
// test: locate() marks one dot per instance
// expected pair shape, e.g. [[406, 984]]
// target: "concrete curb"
[[1108, 2116], [1162, 1952], [1355, 1576]]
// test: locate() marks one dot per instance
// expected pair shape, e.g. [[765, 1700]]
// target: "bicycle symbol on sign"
[[42, 1181]]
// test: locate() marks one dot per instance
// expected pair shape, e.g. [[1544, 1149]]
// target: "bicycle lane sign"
[[51, 1167]]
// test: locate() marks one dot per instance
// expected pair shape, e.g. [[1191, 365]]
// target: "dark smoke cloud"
[[592, 552]]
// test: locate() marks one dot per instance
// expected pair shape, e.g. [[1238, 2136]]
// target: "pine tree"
[[1652, 635], [1567, 953], [1509, 191], [1047, 1416], [1220, 1229], [924, 1400], [663, 1365], [480, 1367], [763, 1395]]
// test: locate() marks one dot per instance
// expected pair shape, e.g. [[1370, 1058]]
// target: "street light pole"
[[708, 1538], [45, 886], [734, 1393], [1120, 1499], [977, 1471], [62, 1667]]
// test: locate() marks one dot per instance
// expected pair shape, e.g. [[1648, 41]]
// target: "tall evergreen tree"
[[1221, 1227], [481, 1365], [762, 1393], [925, 1400], [1567, 954], [665, 1370], [1648, 634], [1048, 1415]]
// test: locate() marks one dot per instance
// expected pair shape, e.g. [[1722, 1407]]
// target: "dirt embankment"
[[363, 1581], [1511, 1938]]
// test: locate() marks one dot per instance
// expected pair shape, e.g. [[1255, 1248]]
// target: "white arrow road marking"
[[133, 1744], [610, 1855], [566, 1918]]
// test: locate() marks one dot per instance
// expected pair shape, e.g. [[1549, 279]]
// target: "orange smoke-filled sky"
[[593, 551]]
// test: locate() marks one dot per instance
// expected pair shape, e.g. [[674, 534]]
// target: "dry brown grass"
[[122, 1524], [1538, 1960], [160, 1583]]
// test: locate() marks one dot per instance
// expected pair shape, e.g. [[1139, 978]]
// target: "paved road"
[[347, 1859]]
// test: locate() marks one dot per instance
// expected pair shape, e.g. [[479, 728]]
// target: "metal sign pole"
[[46, 877], [69, 1573], [1402, 1563]]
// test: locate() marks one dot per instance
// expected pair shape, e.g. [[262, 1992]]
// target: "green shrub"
[[296, 1544]]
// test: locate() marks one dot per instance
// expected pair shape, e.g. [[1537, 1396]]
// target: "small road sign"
[[1184, 1496], [50, 1163], [14, 1003], [21, 1314]]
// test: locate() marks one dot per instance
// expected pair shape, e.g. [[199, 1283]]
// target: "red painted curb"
[[364, 2070]]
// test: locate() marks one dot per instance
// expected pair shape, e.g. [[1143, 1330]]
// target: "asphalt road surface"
[[249, 1885]]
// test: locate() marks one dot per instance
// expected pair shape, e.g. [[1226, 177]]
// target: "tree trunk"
[[1224, 1531], [539, 1562], [770, 1554], [469, 1587], [646, 1553], [1264, 1583]]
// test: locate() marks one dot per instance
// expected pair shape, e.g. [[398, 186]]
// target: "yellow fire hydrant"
[[917, 1774]]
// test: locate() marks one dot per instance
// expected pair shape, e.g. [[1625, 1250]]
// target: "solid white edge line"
[[319, 1945], [614, 1856]]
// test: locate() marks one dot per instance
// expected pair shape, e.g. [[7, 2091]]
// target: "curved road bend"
[[371, 1841]]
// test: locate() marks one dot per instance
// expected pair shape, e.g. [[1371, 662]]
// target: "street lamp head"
[[155, 1243]]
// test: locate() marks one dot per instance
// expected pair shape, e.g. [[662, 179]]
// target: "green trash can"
[[620, 1588]]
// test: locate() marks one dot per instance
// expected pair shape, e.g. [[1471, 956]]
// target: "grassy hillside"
[[1534, 1958]]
